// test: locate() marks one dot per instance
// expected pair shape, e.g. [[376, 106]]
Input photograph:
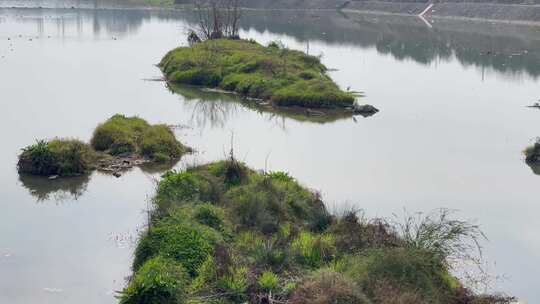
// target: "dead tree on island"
[[217, 19]]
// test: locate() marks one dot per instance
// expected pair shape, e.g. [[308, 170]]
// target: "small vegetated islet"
[[532, 153], [118, 143], [228, 234], [272, 73]]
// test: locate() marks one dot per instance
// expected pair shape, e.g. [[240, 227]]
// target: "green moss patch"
[[282, 76]]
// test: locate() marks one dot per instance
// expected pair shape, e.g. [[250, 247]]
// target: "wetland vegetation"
[[225, 233], [273, 75], [117, 144]]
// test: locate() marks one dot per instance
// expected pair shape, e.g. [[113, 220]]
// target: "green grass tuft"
[[268, 281], [121, 134], [180, 239], [409, 269], [63, 157], [159, 280]]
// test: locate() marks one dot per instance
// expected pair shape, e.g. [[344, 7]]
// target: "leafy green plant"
[[236, 281], [447, 238], [313, 250], [177, 188], [187, 242], [206, 276], [268, 281], [158, 281], [264, 204], [209, 215], [63, 157]]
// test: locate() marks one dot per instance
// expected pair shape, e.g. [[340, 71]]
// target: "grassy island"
[[532, 153], [119, 143], [64, 157], [126, 135], [272, 73], [224, 233]]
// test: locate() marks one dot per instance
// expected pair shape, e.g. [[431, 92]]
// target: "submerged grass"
[[274, 73], [247, 236]]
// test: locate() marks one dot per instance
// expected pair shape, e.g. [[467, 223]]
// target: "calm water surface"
[[452, 126]]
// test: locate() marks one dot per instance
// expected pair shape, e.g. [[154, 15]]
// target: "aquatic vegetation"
[[61, 157], [121, 135], [160, 280], [276, 74], [118, 144], [248, 236]]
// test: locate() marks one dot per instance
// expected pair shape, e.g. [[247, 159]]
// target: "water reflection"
[[65, 189], [57, 190], [213, 109], [505, 48], [508, 49], [158, 168]]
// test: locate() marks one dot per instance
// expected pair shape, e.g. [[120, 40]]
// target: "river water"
[[452, 125]]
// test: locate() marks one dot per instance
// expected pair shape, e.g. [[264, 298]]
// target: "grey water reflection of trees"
[[65, 189], [214, 108], [208, 108], [60, 22], [505, 48], [58, 190]]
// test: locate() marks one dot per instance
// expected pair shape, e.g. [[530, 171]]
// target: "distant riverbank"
[[525, 12]]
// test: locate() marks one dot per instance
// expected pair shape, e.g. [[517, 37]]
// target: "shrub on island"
[[61, 157]]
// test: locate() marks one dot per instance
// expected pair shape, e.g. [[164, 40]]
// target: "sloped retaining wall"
[[525, 11]]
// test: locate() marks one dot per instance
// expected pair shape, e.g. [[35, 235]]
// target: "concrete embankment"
[[449, 9], [526, 11]]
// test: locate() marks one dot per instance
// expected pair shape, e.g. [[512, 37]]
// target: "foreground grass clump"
[[244, 236], [121, 134], [62, 157], [282, 76]]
